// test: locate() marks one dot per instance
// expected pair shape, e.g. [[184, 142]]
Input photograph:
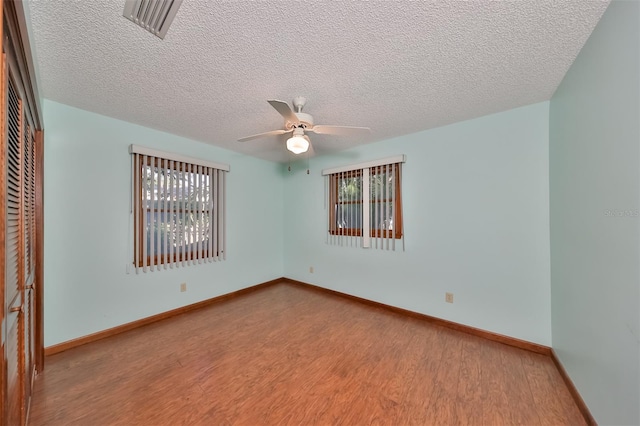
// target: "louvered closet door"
[[14, 259], [28, 232]]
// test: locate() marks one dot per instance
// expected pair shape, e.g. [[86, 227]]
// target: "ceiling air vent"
[[154, 16]]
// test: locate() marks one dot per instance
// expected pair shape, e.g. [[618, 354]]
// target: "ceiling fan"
[[299, 122]]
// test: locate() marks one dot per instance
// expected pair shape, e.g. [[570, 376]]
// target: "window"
[[365, 203], [178, 210]]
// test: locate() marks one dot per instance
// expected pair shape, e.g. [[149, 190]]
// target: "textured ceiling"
[[396, 67]]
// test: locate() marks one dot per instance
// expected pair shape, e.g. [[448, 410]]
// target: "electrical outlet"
[[183, 287], [311, 269], [448, 297]]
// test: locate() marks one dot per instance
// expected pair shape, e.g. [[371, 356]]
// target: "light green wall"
[[87, 239], [595, 228], [476, 217]]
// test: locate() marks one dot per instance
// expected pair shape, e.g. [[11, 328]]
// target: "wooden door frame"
[[3, 184], [38, 285]]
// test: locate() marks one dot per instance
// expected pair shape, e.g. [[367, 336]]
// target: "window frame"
[[202, 241], [334, 202]]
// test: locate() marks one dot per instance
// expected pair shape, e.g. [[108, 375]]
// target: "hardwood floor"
[[289, 355]]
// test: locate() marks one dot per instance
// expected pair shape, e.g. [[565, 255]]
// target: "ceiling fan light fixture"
[[298, 143]]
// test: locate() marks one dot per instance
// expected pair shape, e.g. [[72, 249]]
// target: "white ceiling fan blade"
[[265, 134], [339, 130], [285, 110]]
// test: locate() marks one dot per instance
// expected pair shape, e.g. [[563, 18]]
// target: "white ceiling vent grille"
[[154, 16]]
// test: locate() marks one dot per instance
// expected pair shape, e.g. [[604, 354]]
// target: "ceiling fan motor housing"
[[304, 120]]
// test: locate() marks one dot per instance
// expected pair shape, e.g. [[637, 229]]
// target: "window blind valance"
[[137, 149], [366, 165]]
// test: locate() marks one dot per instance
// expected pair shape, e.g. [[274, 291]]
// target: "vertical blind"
[[178, 210], [365, 204]]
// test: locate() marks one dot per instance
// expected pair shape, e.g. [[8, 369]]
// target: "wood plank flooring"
[[290, 355]]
